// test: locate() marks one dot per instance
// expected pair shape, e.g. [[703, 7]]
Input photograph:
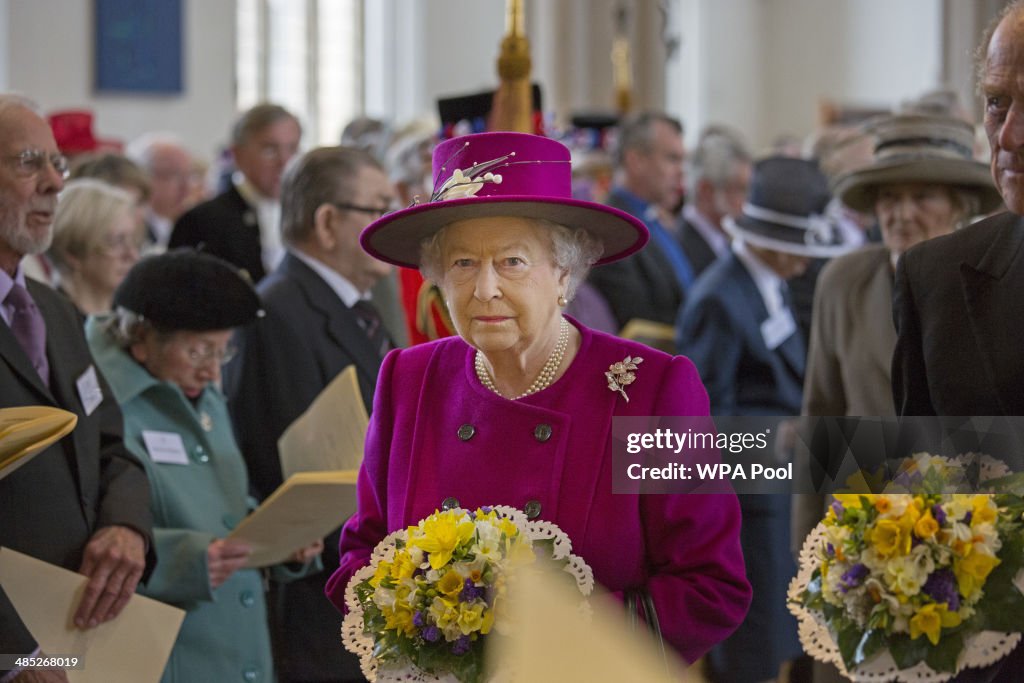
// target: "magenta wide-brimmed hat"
[[500, 174]]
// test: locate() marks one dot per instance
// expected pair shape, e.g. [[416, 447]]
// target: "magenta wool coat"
[[438, 433]]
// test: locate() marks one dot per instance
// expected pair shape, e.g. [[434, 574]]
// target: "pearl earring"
[[562, 302]]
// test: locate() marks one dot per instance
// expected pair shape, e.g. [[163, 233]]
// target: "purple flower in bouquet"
[[837, 508], [941, 587], [470, 592], [854, 576], [418, 619], [461, 646], [968, 517], [939, 514], [431, 634]]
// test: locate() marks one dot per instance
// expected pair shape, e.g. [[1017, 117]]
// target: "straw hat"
[[500, 174], [919, 149]]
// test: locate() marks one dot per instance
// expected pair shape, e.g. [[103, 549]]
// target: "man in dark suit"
[[717, 177], [649, 176], [958, 304], [240, 225], [318, 322], [83, 503], [738, 328]]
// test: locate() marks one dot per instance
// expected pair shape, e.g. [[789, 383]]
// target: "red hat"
[[72, 129]]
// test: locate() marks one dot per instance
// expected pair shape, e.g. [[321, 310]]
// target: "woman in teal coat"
[[161, 352]]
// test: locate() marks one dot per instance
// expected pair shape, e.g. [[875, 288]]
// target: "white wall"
[[760, 65], [49, 57], [765, 66]]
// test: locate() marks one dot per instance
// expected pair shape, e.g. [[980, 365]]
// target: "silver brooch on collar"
[[620, 375]]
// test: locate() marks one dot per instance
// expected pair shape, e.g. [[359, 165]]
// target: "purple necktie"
[[29, 329]]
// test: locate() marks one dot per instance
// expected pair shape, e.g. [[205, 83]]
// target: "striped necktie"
[[369, 320]]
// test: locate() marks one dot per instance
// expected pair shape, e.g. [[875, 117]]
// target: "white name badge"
[[778, 328], [89, 392], [165, 447]]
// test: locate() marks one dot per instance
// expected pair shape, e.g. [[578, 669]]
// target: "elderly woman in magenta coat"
[[517, 410]]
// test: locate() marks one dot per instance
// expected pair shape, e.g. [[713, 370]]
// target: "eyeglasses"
[[272, 152], [121, 243], [376, 211], [201, 356], [32, 162]]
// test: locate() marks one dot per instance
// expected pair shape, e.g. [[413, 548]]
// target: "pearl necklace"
[[547, 373]]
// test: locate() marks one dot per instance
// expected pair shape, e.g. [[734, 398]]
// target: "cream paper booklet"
[[331, 433], [320, 456], [133, 647], [25, 432], [306, 507]]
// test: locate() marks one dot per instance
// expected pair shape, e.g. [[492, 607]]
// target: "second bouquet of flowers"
[[432, 593], [913, 586]]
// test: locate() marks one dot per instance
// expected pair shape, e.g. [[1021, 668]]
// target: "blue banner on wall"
[[139, 46]]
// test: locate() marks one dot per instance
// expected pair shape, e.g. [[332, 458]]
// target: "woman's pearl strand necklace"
[[547, 373]]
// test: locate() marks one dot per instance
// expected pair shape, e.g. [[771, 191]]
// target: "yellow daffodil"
[[471, 617], [971, 571], [442, 533], [443, 612], [382, 572], [852, 500], [399, 618], [890, 537], [926, 526], [508, 527], [402, 567], [450, 584], [930, 620], [984, 509]]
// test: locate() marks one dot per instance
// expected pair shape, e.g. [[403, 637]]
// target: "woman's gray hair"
[[574, 251], [125, 327]]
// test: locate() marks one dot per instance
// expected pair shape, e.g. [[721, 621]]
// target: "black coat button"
[[449, 503], [466, 432], [542, 432], [532, 509]]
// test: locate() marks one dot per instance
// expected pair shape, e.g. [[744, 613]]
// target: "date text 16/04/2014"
[[708, 471]]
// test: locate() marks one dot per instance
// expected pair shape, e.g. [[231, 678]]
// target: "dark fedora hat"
[[785, 210], [936, 150], [500, 174], [188, 290]]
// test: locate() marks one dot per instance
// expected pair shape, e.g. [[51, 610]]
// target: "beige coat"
[[852, 338]]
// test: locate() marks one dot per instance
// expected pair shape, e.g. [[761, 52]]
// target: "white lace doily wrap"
[[980, 649], [361, 644]]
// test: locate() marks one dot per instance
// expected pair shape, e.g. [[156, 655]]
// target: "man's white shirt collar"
[[767, 280], [715, 238], [345, 290]]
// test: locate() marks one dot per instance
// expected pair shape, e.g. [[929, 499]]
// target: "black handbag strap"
[[637, 600]]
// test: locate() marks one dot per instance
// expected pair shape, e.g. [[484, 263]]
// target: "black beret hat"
[[187, 290]]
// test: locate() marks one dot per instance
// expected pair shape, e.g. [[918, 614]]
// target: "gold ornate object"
[[620, 375], [622, 70], [513, 102]]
